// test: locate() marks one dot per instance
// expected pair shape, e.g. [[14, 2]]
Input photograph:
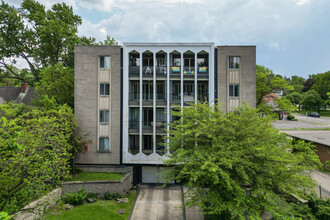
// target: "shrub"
[[76, 198], [4, 216], [320, 208], [291, 118], [109, 196], [92, 195]]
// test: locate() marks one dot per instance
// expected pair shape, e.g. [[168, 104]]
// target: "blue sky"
[[292, 36]]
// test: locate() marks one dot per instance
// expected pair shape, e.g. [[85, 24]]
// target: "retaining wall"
[[101, 186]]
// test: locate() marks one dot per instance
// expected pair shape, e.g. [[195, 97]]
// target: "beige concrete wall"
[[102, 186], [87, 101], [245, 75]]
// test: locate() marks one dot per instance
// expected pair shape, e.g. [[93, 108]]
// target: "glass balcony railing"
[[188, 70], [147, 71], [147, 96], [134, 70], [175, 97], [175, 70], [202, 70], [134, 96], [162, 97], [161, 70], [134, 124]]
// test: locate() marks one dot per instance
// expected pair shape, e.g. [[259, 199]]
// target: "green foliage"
[[40, 37], [311, 100], [111, 196], [294, 98], [320, 208], [285, 105], [35, 146], [57, 82], [92, 195], [308, 84], [109, 41], [268, 82], [4, 216], [322, 85], [76, 198], [220, 156], [297, 82]]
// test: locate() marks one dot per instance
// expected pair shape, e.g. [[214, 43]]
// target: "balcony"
[[162, 97], [175, 97], [188, 97], [175, 71], [134, 97], [189, 71], [203, 97], [202, 71], [134, 125], [161, 70], [147, 71], [134, 71], [147, 97]]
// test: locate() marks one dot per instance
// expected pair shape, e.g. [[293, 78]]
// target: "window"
[[234, 90], [105, 62], [103, 144], [234, 62], [104, 116], [104, 89]]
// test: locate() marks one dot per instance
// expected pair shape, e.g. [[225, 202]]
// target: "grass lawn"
[[325, 113], [89, 176], [101, 209]]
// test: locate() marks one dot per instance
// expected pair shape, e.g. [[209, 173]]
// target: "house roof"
[[14, 94], [270, 97], [319, 137]]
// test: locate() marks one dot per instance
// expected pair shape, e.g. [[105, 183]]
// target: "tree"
[[267, 82], [311, 100], [294, 98], [322, 84], [57, 82], [35, 147], [108, 41], [297, 82], [40, 37], [236, 164], [308, 84]]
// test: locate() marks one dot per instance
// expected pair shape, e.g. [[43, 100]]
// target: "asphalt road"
[[303, 122]]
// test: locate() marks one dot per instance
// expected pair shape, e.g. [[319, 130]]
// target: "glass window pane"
[[101, 62], [236, 90], [107, 62], [107, 89], [234, 62], [104, 143], [231, 91], [104, 116]]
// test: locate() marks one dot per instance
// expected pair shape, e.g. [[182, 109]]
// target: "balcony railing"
[[188, 97], [188, 70], [161, 97], [148, 96], [161, 70], [204, 97], [134, 96], [175, 97], [147, 125], [202, 71], [147, 71], [134, 124], [175, 70], [134, 70]]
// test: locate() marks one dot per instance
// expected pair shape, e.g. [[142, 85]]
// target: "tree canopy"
[[236, 164], [322, 84], [311, 100], [268, 82]]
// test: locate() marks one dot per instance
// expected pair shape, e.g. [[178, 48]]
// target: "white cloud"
[[274, 46], [302, 2]]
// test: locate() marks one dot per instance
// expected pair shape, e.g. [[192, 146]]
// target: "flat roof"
[[316, 136], [173, 44]]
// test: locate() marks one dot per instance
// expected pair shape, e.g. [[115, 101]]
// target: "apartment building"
[[124, 96]]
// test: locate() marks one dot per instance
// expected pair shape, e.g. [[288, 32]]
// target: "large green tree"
[[311, 100], [38, 36], [35, 148], [268, 82], [297, 83], [236, 164], [294, 98], [322, 84]]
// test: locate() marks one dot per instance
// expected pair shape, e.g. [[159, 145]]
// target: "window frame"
[[104, 90], [235, 89], [101, 143], [233, 67], [108, 116], [100, 62]]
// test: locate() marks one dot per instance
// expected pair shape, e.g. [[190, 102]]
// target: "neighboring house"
[[23, 94], [124, 95], [269, 99]]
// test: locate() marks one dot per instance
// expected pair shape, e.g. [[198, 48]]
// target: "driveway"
[[158, 203], [303, 122]]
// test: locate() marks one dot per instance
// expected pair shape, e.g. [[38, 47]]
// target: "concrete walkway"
[[157, 203]]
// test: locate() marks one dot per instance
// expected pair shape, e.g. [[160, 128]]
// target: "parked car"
[[314, 114]]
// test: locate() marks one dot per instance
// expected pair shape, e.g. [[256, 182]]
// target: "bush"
[[76, 198], [92, 195], [291, 118], [4, 216], [109, 196], [320, 208]]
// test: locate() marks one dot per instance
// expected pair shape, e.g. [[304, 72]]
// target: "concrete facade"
[[245, 76], [88, 102], [147, 81]]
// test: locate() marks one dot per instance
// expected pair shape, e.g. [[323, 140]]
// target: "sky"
[[292, 37]]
